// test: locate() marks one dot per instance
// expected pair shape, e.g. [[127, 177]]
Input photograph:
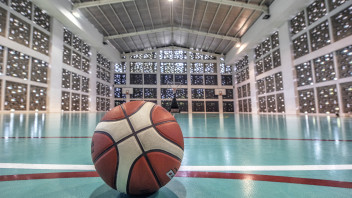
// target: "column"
[[252, 82], [128, 79], [55, 65], [287, 69], [158, 80], [189, 89], [93, 81], [218, 73], [112, 89]]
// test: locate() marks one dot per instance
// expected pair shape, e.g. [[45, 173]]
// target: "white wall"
[[61, 10], [282, 11]]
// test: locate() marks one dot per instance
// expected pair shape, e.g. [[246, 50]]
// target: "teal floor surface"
[[211, 140]]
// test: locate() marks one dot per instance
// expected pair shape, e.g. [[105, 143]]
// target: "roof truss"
[[88, 4], [262, 8], [173, 29]]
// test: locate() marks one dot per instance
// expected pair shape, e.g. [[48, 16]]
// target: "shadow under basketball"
[[174, 189]]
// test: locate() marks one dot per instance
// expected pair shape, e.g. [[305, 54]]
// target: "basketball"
[[137, 147]]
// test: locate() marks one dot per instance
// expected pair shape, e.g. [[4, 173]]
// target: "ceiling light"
[[170, 0], [76, 13], [238, 44]]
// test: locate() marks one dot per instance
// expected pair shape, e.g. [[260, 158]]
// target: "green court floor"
[[226, 155]]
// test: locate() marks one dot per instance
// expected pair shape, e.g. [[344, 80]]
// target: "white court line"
[[186, 168], [47, 166], [267, 168]]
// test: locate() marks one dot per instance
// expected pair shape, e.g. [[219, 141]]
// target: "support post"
[[287, 69], [55, 66]]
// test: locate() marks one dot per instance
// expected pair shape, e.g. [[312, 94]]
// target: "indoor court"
[[261, 89], [264, 144]]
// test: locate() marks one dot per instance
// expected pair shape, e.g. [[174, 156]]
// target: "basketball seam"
[[141, 147], [107, 149], [111, 120], [130, 173], [125, 113], [141, 130], [165, 152], [145, 128], [123, 139], [140, 156], [117, 166], [126, 116], [160, 123], [128, 136], [167, 138]]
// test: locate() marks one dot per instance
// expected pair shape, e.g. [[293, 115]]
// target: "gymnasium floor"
[[48, 155]]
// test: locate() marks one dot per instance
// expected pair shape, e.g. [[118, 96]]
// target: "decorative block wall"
[[19, 30], [65, 101], [197, 75], [344, 62], [243, 97], [24, 61], [341, 23], [304, 74], [327, 99], [75, 73], [270, 89], [267, 55], [39, 71], [307, 101], [15, 96], [37, 98], [3, 20], [324, 73], [17, 64], [25, 77], [269, 85], [346, 93]]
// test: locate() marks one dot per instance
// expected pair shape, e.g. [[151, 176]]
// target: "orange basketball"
[[137, 147]]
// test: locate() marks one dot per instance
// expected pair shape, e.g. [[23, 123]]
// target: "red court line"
[[193, 174], [48, 176], [42, 137], [249, 138], [226, 138], [269, 178]]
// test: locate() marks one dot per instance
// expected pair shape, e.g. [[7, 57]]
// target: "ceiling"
[[208, 25]]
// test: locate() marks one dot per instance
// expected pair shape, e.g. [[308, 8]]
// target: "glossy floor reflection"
[[211, 141]]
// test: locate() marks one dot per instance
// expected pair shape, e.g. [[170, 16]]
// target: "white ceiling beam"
[[88, 4], [261, 8], [138, 33], [230, 38], [173, 29]]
